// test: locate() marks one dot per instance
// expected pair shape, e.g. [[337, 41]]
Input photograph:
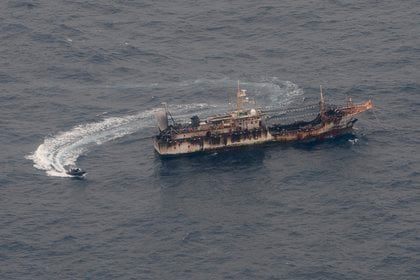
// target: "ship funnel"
[[162, 119]]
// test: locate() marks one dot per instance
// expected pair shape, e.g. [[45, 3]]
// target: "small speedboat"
[[75, 171]]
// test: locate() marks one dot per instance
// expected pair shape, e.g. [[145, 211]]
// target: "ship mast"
[[168, 113], [321, 102], [240, 97]]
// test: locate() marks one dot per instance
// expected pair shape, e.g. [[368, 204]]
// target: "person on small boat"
[[75, 171]]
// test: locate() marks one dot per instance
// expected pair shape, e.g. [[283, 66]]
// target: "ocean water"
[[80, 80]]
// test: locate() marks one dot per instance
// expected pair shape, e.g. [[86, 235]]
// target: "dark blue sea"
[[80, 81]]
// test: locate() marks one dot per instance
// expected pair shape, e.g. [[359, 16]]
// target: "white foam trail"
[[268, 93], [279, 92], [275, 92], [63, 149]]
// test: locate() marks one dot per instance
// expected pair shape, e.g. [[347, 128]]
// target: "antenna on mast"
[[238, 99], [321, 102], [349, 101]]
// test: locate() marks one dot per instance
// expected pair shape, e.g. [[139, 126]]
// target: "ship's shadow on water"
[[217, 162], [204, 169], [342, 141]]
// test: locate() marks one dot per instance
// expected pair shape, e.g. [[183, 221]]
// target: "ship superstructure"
[[253, 126]]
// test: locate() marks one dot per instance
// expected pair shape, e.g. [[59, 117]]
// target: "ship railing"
[[290, 110], [296, 117]]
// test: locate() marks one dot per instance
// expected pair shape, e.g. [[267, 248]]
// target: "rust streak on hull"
[[252, 127]]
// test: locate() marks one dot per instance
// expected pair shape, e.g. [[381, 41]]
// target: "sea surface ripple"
[[80, 82]]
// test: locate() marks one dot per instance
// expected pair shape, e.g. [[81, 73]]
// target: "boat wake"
[[63, 149], [58, 152]]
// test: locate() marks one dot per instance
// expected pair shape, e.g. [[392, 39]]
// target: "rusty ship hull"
[[251, 127]]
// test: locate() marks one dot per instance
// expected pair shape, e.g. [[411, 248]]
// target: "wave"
[[63, 149], [59, 151], [268, 91]]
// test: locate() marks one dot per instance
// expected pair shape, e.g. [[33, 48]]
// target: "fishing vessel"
[[248, 125]]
